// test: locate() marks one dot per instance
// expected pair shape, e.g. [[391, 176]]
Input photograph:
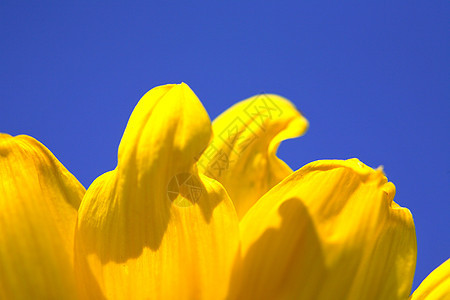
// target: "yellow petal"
[[153, 228], [329, 231], [242, 155], [39, 199], [436, 285]]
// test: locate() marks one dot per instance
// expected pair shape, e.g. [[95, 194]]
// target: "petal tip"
[[4, 140]]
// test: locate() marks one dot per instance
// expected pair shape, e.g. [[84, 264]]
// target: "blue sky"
[[372, 78]]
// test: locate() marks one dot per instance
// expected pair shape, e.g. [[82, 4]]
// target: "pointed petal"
[[153, 228], [436, 285], [242, 155], [38, 209], [329, 231]]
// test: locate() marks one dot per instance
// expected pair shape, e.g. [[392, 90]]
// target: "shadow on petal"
[[270, 268]]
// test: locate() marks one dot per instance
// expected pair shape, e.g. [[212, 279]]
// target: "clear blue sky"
[[372, 78]]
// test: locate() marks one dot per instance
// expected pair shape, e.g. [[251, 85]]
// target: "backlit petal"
[[329, 231], [154, 228], [436, 285], [39, 199], [242, 155]]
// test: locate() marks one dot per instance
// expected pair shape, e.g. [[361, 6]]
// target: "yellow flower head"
[[201, 211]]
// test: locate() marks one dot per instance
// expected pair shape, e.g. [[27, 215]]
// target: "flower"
[[194, 211]]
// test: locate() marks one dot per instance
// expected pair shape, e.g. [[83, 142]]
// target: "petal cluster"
[[195, 210]]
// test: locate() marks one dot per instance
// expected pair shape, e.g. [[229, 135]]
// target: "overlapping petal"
[[435, 286], [153, 227], [329, 231], [39, 199], [242, 155]]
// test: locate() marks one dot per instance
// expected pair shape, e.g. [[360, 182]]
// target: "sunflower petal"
[[436, 285], [39, 199], [242, 155], [154, 228], [329, 231]]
